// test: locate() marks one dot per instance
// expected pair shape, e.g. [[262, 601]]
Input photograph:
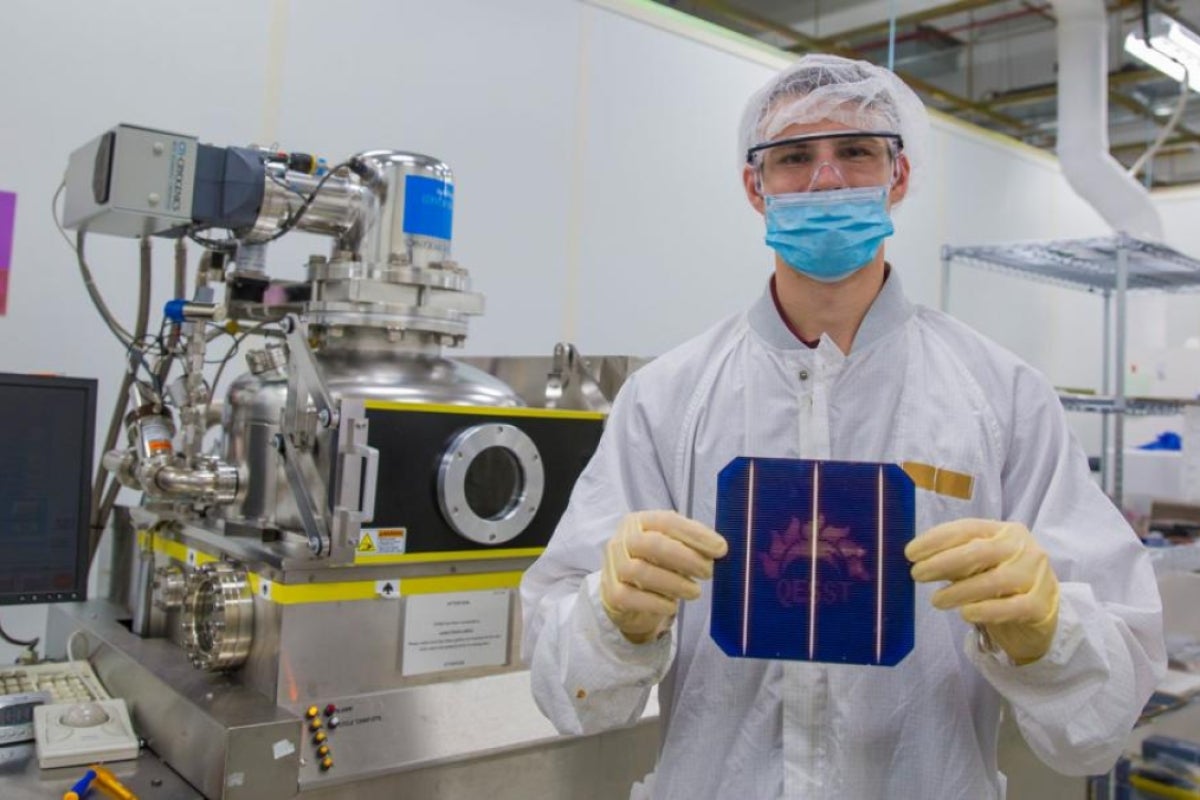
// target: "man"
[[1032, 587]]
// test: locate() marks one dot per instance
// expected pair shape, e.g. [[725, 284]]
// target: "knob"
[[330, 710], [326, 763], [322, 751], [334, 722], [314, 724], [311, 712], [319, 737]]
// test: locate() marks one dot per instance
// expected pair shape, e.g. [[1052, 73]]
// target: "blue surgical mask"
[[828, 235]]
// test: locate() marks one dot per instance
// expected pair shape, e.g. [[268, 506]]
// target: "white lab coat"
[[918, 386]]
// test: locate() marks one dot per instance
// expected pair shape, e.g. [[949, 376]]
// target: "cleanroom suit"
[[918, 386]]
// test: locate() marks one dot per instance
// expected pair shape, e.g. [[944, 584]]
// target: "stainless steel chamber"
[[319, 597]]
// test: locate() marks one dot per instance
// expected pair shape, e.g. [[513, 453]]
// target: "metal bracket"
[[355, 479], [333, 522], [568, 365], [298, 466], [298, 434], [305, 381]]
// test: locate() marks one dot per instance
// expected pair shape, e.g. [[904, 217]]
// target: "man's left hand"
[[1000, 578]]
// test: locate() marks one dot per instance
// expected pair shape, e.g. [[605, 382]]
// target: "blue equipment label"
[[816, 568], [428, 206]]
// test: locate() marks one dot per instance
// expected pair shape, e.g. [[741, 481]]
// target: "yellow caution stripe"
[[340, 591], [373, 556], [147, 540], [1154, 788], [947, 482], [486, 411], [292, 594]]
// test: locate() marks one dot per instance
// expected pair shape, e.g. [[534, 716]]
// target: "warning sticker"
[[392, 540], [383, 541]]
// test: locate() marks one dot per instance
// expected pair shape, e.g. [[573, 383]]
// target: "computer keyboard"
[[65, 681]]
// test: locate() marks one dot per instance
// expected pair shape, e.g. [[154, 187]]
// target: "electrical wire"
[[230, 244], [18, 642], [226, 245], [124, 336], [71, 645], [132, 343], [233, 350], [285, 185], [295, 218]]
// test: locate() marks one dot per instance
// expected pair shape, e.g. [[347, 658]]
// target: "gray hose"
[[180, 268], [102, 498], [90, 284]]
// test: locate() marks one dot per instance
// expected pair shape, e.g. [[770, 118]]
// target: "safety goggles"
[[798, 163]]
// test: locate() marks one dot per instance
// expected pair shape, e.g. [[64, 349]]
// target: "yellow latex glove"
[[1000, 579], [650, 564]]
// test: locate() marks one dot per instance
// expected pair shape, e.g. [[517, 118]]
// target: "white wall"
[[599, 197]]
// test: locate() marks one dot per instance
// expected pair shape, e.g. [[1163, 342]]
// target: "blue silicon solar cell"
[[816, 568]]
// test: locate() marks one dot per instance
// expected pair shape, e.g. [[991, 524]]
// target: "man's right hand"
[[650, 564]]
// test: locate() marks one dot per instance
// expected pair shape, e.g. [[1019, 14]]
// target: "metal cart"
[[1112, 267]]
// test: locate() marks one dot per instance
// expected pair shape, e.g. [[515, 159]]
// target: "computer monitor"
[[47, 426]]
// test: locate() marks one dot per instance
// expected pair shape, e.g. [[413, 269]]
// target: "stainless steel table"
[[147, 777]]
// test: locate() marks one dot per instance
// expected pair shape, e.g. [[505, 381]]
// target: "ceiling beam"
[[1125, 101], [916, 18], [1174, 143], [806, 42], [1034, 94], [945, 10]]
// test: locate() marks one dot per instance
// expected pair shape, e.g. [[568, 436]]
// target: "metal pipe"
[[1083, 122], [937, 12], [1105, 388], [335, 211], [1045, 91], [825, 46], [217, 485], [972, 25], [1119, 400]]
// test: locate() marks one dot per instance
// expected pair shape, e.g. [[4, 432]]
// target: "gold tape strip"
[[922, 475], [954, 484], [485, 411], [942, 481]]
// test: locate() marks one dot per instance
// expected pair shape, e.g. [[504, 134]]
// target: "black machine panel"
[[412, 444]]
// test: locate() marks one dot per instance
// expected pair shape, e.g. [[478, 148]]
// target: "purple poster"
[[8, 216]]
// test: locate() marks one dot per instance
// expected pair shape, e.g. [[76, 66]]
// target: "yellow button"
[[326, 762], [312, 712], [322, 751], [315, 724], [318, 737]]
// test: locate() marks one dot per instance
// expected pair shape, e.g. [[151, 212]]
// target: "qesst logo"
[[790, 562]]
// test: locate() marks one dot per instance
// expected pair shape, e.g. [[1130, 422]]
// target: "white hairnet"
[[855, 93]]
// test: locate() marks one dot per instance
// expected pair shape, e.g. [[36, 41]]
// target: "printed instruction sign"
[[454, 631]]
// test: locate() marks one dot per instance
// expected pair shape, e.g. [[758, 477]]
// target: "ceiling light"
[[1171, 44]]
